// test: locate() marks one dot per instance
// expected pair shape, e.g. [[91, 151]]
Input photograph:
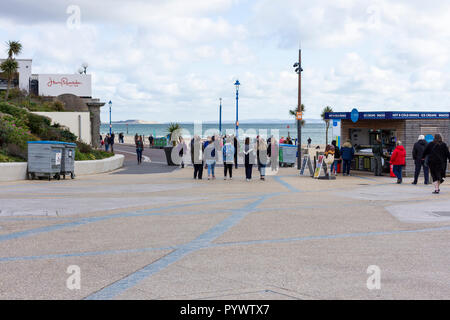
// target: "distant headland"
[[133, 122]]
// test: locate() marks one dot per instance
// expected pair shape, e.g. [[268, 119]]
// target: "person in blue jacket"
[[228, 158], [347, 154]]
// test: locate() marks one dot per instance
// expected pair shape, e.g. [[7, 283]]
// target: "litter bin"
[[68, 160], [44, 159]]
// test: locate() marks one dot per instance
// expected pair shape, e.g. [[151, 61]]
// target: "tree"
[[14, 49], [293, 113], [174, 130], [10, 65], [9, 68], [327, 121]]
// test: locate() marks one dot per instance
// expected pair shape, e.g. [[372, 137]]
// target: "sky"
[[171, 60]]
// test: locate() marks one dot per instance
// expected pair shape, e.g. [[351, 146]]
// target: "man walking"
[[419, 159], [309, 142], [111, 142]]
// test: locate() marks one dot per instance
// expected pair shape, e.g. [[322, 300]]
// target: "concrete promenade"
[[152, 232]]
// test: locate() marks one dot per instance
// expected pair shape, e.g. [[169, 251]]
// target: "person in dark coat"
[[197, 157], [438, 154], [249, 154], [111, 141], [139, 149], [236, 151], [419, 159], [347, 153]]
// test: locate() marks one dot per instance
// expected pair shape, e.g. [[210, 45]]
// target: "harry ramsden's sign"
[[57, 84], [389, 115], [63, 82]]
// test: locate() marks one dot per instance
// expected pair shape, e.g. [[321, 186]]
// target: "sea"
[[315, 131]]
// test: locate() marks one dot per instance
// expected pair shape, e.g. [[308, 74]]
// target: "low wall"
[[83, 168], [12, 171]]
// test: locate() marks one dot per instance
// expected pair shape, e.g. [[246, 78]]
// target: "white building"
[[82, 112], [22, 79]]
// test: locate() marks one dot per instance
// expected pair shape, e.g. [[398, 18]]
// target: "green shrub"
[[13, 110], [83, 147], [8, 158], [38, 124]]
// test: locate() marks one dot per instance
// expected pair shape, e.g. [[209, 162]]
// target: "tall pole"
[[220, 117], [237, 104], [299, 124], [110, 123]]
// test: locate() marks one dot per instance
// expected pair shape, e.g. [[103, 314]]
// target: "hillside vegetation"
[[18, 126]]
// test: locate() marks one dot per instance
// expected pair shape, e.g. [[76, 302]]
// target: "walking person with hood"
[[262, 157], [438, 154], [347, 153], [228, 158], [419, 159], [398, 160]]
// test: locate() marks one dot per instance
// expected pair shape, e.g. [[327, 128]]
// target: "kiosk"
[[389, 127]]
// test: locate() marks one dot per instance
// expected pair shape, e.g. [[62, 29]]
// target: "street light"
[[220, 117], [298, 70], [237, 84], [110, 123], [84, 66]]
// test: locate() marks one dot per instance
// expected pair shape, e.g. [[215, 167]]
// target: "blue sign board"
[[429, 138], [355, 115]]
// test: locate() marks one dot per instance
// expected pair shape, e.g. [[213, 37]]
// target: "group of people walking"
[[205, 155], [108, 141]]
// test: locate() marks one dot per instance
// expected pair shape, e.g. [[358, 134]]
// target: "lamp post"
[[298, 70], [220, 117], [110, 123], [237, 84]]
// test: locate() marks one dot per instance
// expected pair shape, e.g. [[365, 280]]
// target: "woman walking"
[[249, 159], [197, 157], [139, 149], [398, 160], [228, 158], [210, 154], [261, 154], [436, 154], [337, 158]]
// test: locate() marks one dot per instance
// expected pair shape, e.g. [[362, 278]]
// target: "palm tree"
[[293, 112], [14, 48], [9, 67], [327, 121], [171, 129]]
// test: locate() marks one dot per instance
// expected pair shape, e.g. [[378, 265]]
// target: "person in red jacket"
[[398, 160]]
